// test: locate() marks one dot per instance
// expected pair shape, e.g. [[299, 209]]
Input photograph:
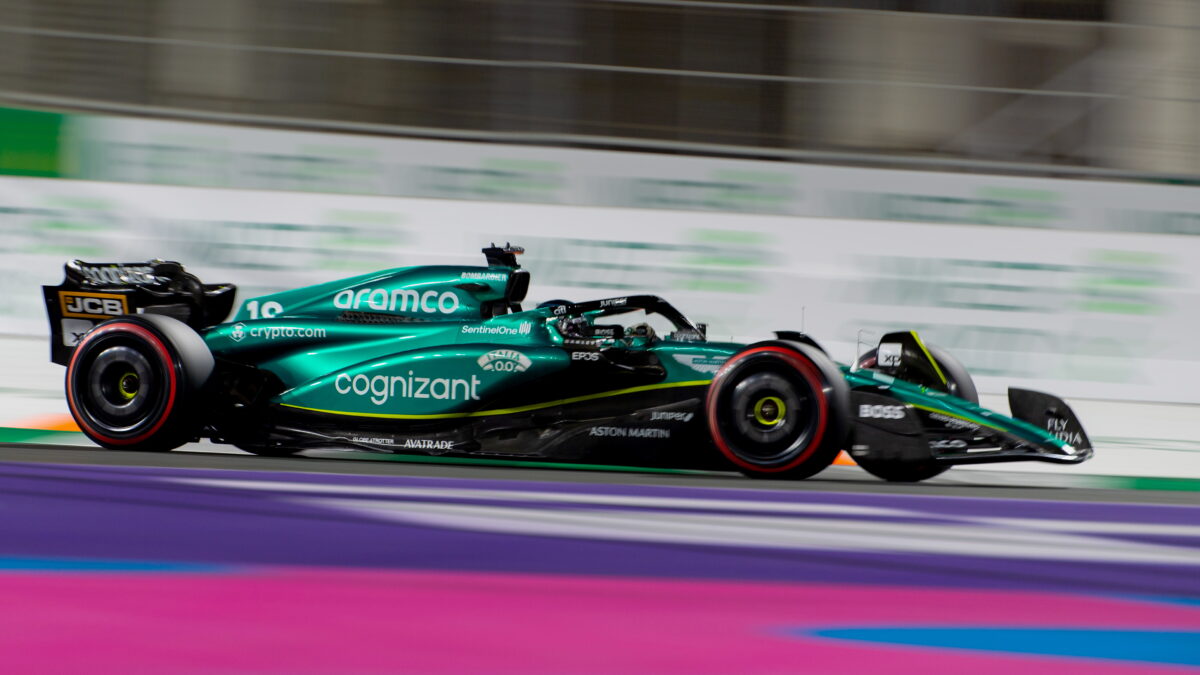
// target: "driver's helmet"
[[574, 327], [641, 330]]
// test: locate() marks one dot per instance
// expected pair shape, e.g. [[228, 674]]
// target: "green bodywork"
[[440, 364], [422, 343]]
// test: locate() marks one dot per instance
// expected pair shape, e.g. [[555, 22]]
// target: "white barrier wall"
[[1080, 313], [186, 153]]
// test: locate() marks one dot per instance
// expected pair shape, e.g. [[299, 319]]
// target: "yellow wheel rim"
[[769, 420], [128, 386]]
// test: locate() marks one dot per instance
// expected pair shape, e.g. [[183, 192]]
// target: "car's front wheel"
[[778, 410], [958, 383]]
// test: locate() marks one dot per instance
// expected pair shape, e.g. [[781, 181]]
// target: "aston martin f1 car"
[[444, 360]]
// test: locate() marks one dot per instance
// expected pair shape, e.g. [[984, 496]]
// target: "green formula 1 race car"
[[443, 360]]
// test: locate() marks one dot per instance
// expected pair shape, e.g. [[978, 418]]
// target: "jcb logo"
[[92, 305]]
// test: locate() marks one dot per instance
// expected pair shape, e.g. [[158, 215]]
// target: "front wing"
[[1042, 428]]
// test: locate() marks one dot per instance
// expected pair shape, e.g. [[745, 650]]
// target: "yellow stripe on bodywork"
[[964, 418], [509, 411], [929, 356]]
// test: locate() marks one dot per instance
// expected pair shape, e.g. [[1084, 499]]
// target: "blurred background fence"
[[1053, 87], [1014, 178]]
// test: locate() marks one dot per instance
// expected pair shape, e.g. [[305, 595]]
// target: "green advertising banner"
[[30, 143]]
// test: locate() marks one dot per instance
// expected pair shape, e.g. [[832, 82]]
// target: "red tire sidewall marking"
[[807, 370], [169, 366]]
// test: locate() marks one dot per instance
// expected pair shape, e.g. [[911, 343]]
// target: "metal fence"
[[1049, 87]]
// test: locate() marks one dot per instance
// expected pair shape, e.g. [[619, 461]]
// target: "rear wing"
[[94, 292]]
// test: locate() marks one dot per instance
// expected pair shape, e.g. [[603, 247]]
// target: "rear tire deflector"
[[833, 423], [186, 362]]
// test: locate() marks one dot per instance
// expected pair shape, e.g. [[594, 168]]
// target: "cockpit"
[[635, 321], [630, 321]]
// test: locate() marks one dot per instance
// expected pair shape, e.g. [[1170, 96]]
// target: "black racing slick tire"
[[960, 384], [958, 379], [779, 410], [137, 382]]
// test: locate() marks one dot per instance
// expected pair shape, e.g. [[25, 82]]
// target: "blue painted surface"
[[1189, 601], [11, 564], [1140, 646]]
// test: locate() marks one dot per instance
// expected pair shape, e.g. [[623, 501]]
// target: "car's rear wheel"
[[959, 383], [778, 410], [135, 383]]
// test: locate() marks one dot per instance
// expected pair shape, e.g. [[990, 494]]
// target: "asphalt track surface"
[[834, 479], [204, 561]]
